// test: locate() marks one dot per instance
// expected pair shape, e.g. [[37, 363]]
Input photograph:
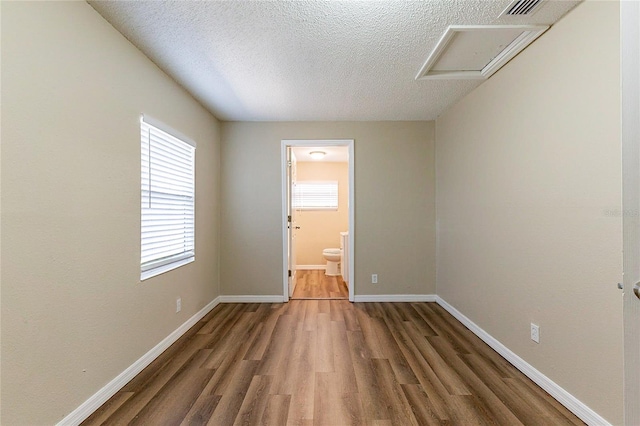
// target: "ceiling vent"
[[477, 51], [521, 7]]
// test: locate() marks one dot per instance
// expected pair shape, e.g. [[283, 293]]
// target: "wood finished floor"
[[314, 284], [331, 362]]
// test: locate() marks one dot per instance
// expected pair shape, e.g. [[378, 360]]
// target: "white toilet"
[[332, 256]]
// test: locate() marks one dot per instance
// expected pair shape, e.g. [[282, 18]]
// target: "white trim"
[[529, 34], [396, 298], [94, 402], [310, 267], [352, 224], [276, 298], [158, 270], [285, 223], [573, 404], [630, 136], [349, 143]]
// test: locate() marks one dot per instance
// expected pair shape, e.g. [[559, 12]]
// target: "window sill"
[[165, 268]]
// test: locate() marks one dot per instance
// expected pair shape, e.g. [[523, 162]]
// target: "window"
[[168, 199], [309, 195]]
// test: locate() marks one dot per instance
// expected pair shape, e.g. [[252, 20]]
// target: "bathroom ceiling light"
[[317, 155]]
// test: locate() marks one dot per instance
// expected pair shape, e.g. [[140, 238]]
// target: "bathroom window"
[[168, 199], [315, 195]]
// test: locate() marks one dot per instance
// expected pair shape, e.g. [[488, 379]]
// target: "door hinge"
[[289, 218], [289, 272]]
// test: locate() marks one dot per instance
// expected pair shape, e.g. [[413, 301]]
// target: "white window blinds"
[[168, 200], [310, 195]]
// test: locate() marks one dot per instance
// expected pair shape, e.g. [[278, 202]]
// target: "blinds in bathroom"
[[315, 195]]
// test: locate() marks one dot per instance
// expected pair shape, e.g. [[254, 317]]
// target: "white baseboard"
[[310, 267], [395, 298], [88, 407], [252, 299], [573, 404], [577, 407]]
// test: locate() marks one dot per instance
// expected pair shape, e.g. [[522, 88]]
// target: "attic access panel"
[[477, 51]]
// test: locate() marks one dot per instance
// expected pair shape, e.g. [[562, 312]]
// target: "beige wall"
[[394, 204], [528, 165], [320, 229], [74, 312]]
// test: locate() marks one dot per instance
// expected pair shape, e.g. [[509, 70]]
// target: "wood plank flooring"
[[331, 362], [314, 284]]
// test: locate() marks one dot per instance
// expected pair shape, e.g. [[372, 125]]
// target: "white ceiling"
[[309, 60]]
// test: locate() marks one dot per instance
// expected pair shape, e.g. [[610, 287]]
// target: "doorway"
[[303, 202]]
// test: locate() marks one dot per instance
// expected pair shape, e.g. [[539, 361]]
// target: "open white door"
[[630, 56], [292, 222]]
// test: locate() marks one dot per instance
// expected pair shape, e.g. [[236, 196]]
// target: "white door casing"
[[293, 223], [286, 206], [630, 95]]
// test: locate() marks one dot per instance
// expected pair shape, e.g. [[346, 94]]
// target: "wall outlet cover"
[[535, 333]]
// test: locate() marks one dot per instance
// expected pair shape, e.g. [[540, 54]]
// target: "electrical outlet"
[[535, 333], [178, 305], [374, 278]]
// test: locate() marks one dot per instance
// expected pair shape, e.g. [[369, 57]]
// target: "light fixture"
[[317, 155]]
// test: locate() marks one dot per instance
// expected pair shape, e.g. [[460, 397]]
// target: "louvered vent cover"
[[521, 7]]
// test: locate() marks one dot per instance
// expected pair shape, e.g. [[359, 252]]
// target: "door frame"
[[319, 143], [291, 222], [630, 120]]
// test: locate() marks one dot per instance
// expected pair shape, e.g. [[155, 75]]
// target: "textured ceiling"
[[308, 60]]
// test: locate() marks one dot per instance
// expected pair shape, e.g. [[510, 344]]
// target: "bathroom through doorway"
[[317, 219]]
